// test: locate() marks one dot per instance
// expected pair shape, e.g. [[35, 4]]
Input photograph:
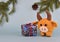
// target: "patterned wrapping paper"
[[29, 29]]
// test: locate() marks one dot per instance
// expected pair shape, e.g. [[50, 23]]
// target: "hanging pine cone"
[[35, 7], [46, 4]]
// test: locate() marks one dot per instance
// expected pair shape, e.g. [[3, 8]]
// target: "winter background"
[[11, 31]]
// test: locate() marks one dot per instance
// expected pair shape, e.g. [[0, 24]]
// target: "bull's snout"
[[43, 29]]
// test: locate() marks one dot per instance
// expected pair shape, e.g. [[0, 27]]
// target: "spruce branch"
[[4, 8], [48, 5]]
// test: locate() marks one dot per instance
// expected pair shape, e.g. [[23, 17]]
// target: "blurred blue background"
[[11, 31]]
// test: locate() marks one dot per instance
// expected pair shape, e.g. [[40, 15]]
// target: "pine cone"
[[35, 7]]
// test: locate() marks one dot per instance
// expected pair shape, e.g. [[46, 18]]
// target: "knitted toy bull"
[[45, 25]]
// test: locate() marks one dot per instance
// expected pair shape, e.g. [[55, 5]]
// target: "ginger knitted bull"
[[45, 25]]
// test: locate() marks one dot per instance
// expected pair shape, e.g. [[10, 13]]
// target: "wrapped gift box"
[[29, 29]]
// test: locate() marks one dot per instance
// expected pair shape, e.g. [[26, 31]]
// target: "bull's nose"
[[43, 29]]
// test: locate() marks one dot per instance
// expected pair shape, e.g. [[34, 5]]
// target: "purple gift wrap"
[[29, 29]]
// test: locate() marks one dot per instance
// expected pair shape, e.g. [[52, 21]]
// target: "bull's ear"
[[35, 23], [54, 24]]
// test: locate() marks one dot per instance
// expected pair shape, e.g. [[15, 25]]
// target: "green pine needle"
[[49, 5], [4, 8]]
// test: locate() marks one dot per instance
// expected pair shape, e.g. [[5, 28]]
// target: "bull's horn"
[[48, 15], [38, 16]]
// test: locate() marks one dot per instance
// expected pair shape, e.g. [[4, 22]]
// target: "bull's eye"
[[45, 24], [40, 24]]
